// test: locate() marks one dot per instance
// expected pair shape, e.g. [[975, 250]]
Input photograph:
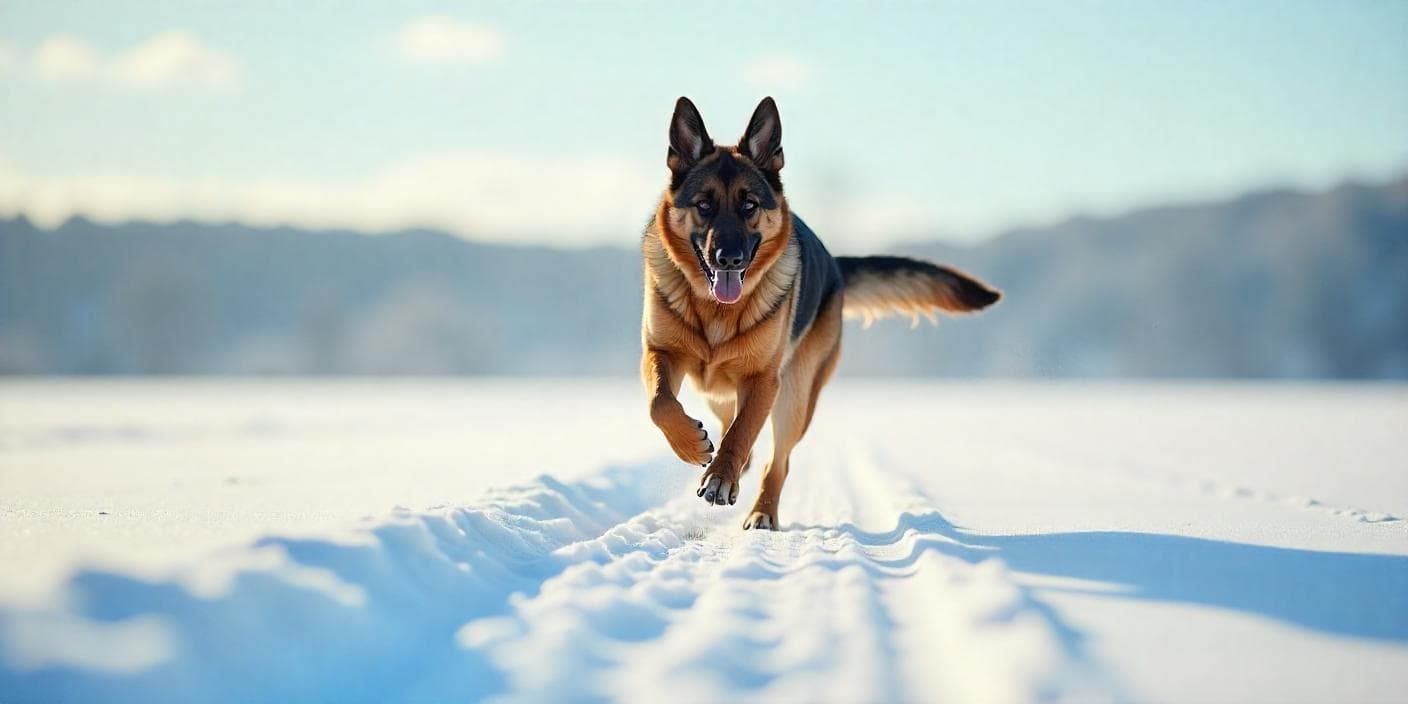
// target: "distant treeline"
[[1274, 284]]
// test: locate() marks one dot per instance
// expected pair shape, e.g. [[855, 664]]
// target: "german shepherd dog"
[[742, 298]]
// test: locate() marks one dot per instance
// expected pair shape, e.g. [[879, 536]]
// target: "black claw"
[[700, 492], [699, 424], [732, 500], [711, 446]]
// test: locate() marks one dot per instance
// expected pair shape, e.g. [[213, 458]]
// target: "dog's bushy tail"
[[876, 287]]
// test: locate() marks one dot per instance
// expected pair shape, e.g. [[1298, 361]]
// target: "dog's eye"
[[749, 206], [704, 207]]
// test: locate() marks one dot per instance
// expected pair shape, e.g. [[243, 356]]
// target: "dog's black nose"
[[729, 258]]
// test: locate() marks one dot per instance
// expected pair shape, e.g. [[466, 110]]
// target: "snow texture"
[[944, 544]]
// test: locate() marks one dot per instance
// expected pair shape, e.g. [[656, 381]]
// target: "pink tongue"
[[728, 286]]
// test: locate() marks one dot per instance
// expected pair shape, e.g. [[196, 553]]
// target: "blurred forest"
[[1273, 284]]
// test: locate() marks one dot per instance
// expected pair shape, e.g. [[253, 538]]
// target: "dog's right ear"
[[689, 141]]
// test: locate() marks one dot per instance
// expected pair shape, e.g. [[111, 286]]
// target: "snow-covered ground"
[[533, 540]]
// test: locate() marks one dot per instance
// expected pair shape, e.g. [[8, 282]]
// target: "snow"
[[532, 541]]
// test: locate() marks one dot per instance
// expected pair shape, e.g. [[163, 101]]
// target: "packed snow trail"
[[997, 545], [841, 608]]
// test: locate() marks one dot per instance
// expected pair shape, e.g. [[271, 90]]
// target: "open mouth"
[[725, 285]]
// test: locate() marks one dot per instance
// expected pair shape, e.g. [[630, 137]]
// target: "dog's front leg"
[[756, 394], [662, 377]]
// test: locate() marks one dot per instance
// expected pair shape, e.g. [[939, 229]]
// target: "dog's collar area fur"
[[672, 286]]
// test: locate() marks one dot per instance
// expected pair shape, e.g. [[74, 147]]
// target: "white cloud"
[[483, 196], [774, 72], [64, 57], [164, 60], [438, 39], [174, 57]]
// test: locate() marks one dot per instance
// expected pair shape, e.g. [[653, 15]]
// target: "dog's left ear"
[[762, 141]]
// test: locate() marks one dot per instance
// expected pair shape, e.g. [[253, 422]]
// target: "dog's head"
[[725, 218]]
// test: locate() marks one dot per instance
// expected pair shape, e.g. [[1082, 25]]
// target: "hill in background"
[[1273, 284]]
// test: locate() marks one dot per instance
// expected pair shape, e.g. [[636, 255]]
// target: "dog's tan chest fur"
[[719, 344], [717, 331]]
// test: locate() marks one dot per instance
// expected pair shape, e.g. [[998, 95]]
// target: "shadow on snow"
[[1346, 594]]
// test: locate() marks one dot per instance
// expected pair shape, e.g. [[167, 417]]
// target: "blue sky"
[[546, 122]]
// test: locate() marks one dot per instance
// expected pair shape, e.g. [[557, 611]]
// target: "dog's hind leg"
[[724, 411], [802, 380]]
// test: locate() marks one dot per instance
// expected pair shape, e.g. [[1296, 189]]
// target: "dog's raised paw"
[[760, 520], [718, 488], [691, 442]]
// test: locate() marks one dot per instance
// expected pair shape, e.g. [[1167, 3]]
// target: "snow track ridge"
[[370, 616]]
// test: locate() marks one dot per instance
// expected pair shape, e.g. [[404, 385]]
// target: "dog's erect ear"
[[762, 141], [689, 141]]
